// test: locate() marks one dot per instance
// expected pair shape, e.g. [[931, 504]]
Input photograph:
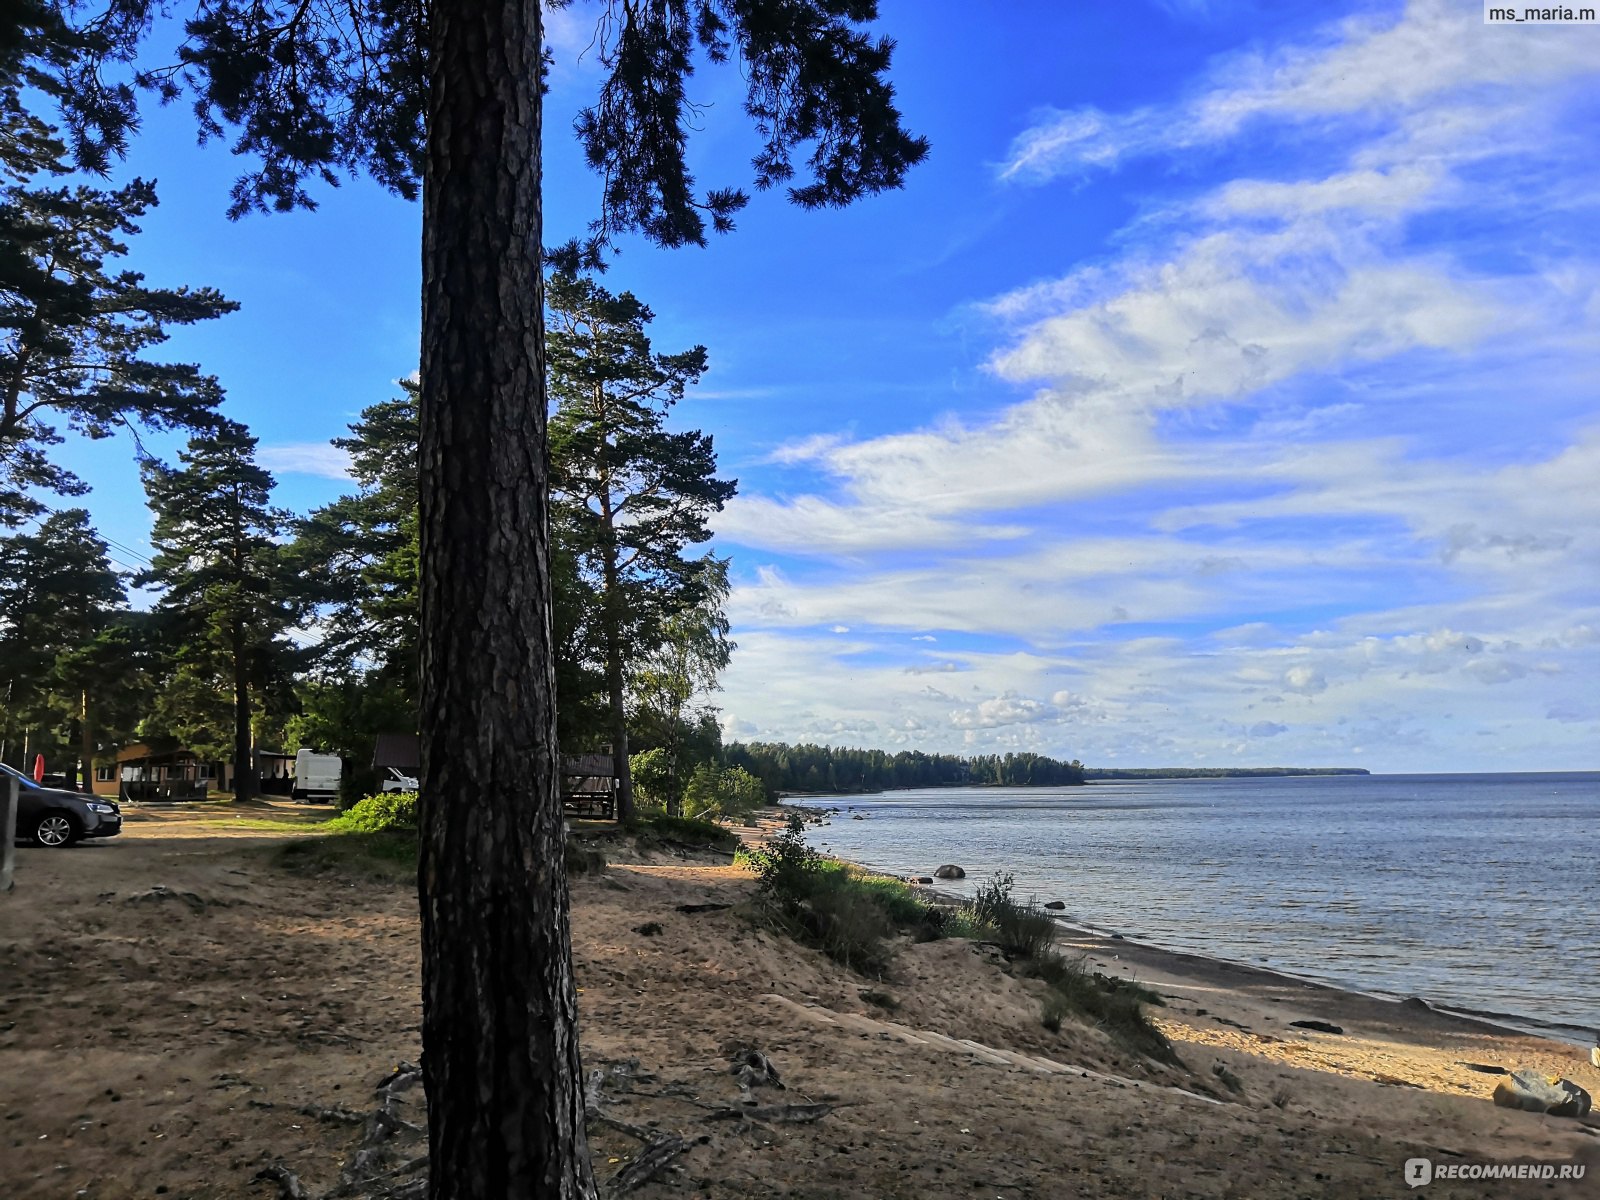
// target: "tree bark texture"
[[499, 1027]]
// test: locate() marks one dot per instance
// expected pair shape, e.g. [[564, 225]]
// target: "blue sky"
[[1221, 391]]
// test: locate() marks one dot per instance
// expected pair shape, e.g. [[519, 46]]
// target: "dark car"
[[56, 817]]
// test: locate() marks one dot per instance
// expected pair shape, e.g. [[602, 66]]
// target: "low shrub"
[[584, 859], [689, 830], [1113, 1005], [1027, 933], [378, 813], [1021, 930], [853, 934], [846, 913], [787, 867], [1055, 1008], [895, 897]]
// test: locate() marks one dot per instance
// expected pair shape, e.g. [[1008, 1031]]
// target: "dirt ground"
[[177, 1011]]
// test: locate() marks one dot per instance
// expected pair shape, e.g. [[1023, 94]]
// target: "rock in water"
[[949, 871], [1056, 904], [1533, 1092]]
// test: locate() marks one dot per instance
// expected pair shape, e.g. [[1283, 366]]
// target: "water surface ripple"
[[1475, 891]]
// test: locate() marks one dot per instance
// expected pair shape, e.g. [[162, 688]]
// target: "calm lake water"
[[1478, 892]]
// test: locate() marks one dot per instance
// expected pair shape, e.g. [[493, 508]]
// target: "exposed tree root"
[[376, 1170]]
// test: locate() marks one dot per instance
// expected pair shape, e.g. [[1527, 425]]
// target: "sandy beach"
[[177, 1011]]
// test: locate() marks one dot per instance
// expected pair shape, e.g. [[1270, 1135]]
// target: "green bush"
[[787, 867], [1114, 1005], [1026, 933], [685, 829], [377, 813], [584, 859], [1021, 930], [714, 791], [853, 934], [846, 913]]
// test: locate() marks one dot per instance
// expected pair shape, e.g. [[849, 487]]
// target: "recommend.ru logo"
[[1419, 1172]]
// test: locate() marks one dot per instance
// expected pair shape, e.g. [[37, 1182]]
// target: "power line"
[[304, 640]]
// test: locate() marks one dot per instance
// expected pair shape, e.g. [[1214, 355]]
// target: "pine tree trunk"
[[619, 722], [612, 620], [244, 766], [499, 1024], [86, 743]]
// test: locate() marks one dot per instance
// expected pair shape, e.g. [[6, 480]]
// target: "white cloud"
[[1007, 709], [806, 449], [322, 459], [1298, 475], [1363, 66], [1308, 681]]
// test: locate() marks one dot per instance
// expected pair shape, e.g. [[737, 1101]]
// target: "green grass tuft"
[[683, 830], [1113, 1005], [389, 856], [848, 914]]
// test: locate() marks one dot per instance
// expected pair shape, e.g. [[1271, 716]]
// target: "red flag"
[[38, 769]]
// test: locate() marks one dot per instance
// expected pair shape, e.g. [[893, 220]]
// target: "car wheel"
[[55, 830]]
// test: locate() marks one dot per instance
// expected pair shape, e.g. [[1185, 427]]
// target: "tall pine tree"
[[357, 557], [76, 329], [59, 596], [635, 494], [224, 599], [450, 95]]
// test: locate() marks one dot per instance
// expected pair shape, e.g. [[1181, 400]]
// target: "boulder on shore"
[[1319, 1026], [1533, 1092], [949, 871]]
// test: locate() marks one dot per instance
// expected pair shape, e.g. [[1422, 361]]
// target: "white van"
[[316, 776], [396, 780]]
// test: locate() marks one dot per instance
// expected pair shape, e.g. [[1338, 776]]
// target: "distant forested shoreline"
[[820, 770], [823, 769], [1214, 772]]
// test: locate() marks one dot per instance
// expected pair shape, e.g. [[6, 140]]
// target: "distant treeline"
[[1213, 772], [784, 768]]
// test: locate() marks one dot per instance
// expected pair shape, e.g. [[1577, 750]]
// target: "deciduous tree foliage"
[[692, 650], [224, 601], [449, 93]]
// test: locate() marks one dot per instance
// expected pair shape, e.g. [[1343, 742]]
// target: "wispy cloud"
[[322, 459], [1303, 470], [1363, 67]]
